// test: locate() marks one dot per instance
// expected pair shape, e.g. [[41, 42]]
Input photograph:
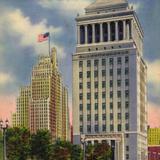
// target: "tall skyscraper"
[[109, 80], [45, 105]]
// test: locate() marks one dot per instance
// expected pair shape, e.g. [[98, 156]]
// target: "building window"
[[103, 84], [88, 74], [104, 128], [111, 127], [111, 116], [111, 94], [113, 31], [96, 117], [88, 85], [111, 61], [96, 95], [95, 84], [127, 127], [81, 129], [127, 82], [88, 106], [119, 83], [103, 106], [119, 94], [119, 127], [127, 148], [119, 116], [97, 33], [96, 128], [103, 94], [118, 71], [119, 105], [103, 62], [95, 73], [88, 128], [80, 96], [89, 29], [126, 116], [127, 93], [127, 156], [80, 63], [88, 95], [88, 117], [80, 75], [96, 62], [82, 34], [103, 73], [80, 86], [111, 105], [126, 71], [126, 104], [88, 63], [81, 118], [126, 59], [111, 83], [103, 117], [119, 60], [111, 72], [81, 107], [96, 106]]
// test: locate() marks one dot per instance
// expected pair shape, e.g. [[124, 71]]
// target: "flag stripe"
[[43, 37]]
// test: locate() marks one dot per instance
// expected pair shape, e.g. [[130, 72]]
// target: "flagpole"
[[49, 45]]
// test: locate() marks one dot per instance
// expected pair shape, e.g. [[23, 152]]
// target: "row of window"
[[119, 72], [96, 117], [119, 94], [103, 61], [96, 106], [96, 84], [96, 128]]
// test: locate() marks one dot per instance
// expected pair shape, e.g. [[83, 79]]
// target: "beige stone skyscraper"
[[109, 80], [47, 106]]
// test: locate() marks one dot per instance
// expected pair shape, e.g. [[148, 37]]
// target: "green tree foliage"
[[40, 145], [98, 152], [18, 146]]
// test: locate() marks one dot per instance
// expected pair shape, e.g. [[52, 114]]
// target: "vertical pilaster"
[[127, 31], [93, 33], [101, 32], [78, 34], [116, 28], [86, 34], [124, 29], [109, 31]]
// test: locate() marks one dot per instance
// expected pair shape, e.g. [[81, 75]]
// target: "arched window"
[[82, 34], [97, 33], [113, 34], [89, 29], [120, 30], [105, 32]]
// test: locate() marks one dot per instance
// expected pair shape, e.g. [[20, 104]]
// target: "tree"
[[76, 153], [40, 145], [17, 140]]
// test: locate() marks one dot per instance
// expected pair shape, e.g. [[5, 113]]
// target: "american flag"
[[43, 37]]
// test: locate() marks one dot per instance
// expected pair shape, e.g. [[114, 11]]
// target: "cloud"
[[153, 115], [136, 5], [20, 26], [5, 78], [68, 6]]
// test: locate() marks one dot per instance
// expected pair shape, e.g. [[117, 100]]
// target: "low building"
[[153, 152], [153, 136]]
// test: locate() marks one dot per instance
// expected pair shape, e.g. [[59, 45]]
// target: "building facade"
[[109, 79], [153, 136], [46, 104], [153, 152]]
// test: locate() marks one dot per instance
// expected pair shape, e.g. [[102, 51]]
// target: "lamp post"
[[83, 142], [4, 126]]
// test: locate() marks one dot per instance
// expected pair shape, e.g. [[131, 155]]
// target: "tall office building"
[[109, 80], [46, 104]]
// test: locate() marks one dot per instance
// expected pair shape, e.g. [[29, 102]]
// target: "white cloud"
[[5, 78], [136, 6], [22, 26], [66, 5]]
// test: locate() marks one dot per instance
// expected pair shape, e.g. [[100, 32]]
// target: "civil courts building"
[[109, 80]]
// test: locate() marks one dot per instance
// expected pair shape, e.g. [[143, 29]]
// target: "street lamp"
[[4, 126], [84, 146]]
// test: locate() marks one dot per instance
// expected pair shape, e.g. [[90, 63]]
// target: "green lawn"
[[1, 146]]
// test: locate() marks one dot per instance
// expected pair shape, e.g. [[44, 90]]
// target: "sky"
[[22, 20]]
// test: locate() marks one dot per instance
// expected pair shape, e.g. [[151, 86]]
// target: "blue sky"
[[20, 23]]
